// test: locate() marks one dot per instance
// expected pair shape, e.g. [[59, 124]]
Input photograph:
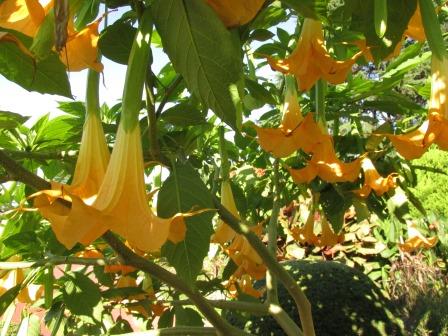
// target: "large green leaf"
[[46, 76], [116, 41], [399, 14], [182, 192], [10, 120], [202, 50], [80, 294]]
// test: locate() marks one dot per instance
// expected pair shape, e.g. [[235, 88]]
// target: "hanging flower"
[[295, 132], [89, 173], [374, 181], [311, 61], [416, 240], [245, 285], [325, 164], [81, 50], [306, 235], [14, 277], [236, 12], [412, 145], [122, 199], [249, 264]]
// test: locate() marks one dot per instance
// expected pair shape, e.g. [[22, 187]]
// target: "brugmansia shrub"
[[141, 192]]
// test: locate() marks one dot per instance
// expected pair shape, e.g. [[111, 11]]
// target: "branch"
[[56, 260], [54, 155], [169, 90], [271, 280], [18, 173], [250, 307], [303, 305]]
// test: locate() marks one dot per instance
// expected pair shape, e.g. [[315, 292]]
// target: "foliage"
[[318, 157], [430, 171]]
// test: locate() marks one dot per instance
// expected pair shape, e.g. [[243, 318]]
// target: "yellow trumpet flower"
[[311, 61], [122, 199], [412, 145], [236, 12], [374, 181], [416, 240], [89, 173]]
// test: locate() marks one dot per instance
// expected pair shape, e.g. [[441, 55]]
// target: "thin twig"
[[169, 90], [271, 280]]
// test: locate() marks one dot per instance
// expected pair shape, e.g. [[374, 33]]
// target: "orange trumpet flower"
[[311, 61], [374, 181]]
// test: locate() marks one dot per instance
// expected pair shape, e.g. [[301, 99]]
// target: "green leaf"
[[116, 41], [432, 28], [314, 9], [86, 13], [259, 92], [10, 120], [80, 294], [202, 50], [167, 319], [334, 205], [182, 115], [46, 76], [33, 326], [362, 20], [75, 108], [184, 191], [187, 317], [8, 297]]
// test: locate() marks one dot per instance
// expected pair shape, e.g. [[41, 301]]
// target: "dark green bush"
[[344, 302]]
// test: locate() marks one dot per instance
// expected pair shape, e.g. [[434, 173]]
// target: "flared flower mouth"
[[326, 165], [374, 181], [235, 12], [311, 61], [416, 239]]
